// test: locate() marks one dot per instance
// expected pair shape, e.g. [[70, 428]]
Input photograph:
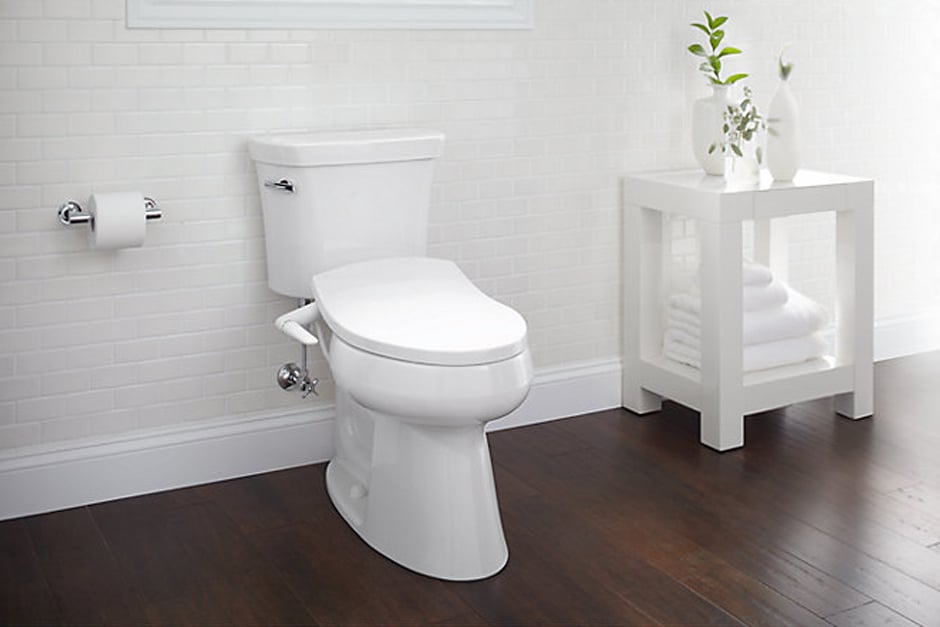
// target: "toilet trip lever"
[[285, 185]]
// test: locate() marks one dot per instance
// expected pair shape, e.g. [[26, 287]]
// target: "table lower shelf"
[[761, 390]]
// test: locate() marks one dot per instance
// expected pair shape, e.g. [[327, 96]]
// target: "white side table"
[[720, 391]]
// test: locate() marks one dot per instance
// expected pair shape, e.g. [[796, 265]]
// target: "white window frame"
[[330, 14]]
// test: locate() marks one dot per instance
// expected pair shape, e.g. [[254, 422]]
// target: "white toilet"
[[420, 357]]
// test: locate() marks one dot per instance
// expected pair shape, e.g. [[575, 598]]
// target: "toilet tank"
[[334, 198]]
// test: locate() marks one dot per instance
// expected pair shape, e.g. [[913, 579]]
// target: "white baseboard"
[[40, 480], [567, 391], [908, 335], [49, 480]]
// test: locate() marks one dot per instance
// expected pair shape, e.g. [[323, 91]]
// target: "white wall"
[[540, 124]]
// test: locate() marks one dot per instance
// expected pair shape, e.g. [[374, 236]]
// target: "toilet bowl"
[[421, 358]]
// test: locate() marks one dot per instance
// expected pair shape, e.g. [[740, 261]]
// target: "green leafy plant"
[[783, 69], [742, 123], [711, 65]]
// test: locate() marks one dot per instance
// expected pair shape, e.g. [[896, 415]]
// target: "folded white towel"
[[755, 357], [753, 297], [798, 317], [754, 273], [681, 334]]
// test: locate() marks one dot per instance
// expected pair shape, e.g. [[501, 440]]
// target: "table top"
[[695, 194], [699, 181]]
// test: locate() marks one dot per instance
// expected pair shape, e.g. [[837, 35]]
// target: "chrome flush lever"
[[285, 185]]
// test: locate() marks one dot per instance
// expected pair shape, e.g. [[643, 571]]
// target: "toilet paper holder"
[[70, 212]]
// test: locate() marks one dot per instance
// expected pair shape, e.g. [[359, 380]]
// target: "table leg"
[[642, 317], [855, 305], [722, 399], [770, 246]]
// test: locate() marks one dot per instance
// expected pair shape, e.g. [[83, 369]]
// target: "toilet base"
[[431, 501]]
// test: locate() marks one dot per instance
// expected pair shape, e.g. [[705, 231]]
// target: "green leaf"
[[737, 150], [711, 22], [701, 27], [715, 38], [728, 50], [719, 21], [711, 148], [734, 78], [715, 63], [698, 50], [783, 69]]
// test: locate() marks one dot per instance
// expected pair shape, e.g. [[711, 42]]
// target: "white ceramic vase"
[[783, 140], [707, 121]]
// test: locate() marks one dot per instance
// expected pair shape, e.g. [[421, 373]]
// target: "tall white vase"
[[707, 121], [783, 140]]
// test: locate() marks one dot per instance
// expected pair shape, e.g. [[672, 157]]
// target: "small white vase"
[[783, 140], [708, 117]]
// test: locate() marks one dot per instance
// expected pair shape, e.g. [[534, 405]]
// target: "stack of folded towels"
[[780, 325]]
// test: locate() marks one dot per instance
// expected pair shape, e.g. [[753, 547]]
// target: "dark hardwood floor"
[[611, 519]]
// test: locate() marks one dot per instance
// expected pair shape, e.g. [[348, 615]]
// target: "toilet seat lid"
[[418, 309]]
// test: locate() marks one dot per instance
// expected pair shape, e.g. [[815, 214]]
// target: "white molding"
[[331, 14], [565, 391], [907, 335], [43, 479]]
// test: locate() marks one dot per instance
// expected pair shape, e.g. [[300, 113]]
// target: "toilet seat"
[[417, 309]]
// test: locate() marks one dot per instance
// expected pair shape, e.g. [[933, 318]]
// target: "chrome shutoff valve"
[[308, 386], [290, 376]]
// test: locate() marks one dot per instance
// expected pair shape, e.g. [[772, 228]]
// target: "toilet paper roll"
[[119, 220]]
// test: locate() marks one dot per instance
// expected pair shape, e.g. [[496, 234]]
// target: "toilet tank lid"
[[346, 147], [420, 310]]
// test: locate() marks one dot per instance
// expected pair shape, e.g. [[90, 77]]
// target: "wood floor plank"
[[585, 484], [342, 581], [168, 552], [792, 577], [613, 587], [251, 596], [273, 499], [645, 533], [25, 596], [723, 529], [83, 575], [874, 578], [921, 497], [870, 615], [748, 507]]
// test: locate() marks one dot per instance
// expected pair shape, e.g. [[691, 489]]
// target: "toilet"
[[421, 358]]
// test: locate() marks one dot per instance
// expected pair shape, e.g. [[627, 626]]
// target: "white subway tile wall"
[[540, 127]]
